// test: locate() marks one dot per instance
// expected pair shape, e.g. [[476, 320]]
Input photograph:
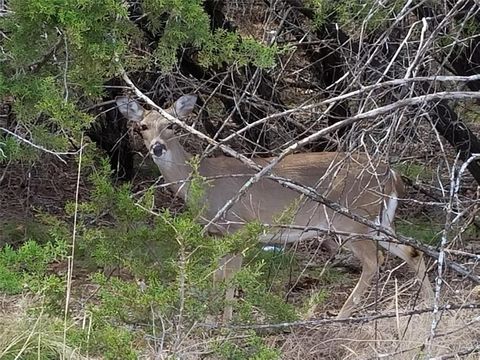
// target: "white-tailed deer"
[[366, 189]]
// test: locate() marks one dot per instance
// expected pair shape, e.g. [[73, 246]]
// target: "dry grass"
[[398, 338], [26, 332]]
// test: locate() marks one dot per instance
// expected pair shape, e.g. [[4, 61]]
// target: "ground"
[[26, 193]]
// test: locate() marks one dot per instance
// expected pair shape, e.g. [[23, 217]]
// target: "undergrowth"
[[142, 275]]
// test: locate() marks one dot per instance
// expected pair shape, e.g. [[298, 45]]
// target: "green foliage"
[[196, 190], [288, 214], [182, 23], [322, 9], [420, 229], [229, 47], [185, 23], [86, 33], [58, 54], [56, 57], [470, 27], [112, 342], [414, 171], [250, 347], [11, 150], [26, 268], [28, 265], [315, 299], [41, 107], [471, 113], [326, 275], [169, 253], [354, 15], [172, 261]]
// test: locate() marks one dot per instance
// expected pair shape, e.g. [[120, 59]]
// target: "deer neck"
[[175, 167]]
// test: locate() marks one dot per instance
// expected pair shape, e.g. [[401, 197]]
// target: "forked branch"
[[309, 192]]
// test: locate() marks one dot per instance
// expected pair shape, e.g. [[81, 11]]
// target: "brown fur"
[[367, 188]]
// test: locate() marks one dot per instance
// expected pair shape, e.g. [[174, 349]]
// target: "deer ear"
[[129, 108], [184, 105]]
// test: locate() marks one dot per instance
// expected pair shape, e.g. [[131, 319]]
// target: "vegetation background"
[[98, 260]]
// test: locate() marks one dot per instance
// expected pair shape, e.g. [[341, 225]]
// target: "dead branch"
[[357, 320]]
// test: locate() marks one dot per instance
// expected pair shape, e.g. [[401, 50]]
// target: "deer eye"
[[170, 126], [143, 127]]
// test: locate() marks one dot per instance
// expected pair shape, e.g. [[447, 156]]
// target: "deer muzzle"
[[158, 149]]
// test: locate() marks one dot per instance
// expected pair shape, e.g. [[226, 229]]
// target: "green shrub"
[[57, 56], [250, 347], [355, 15], [28, 265]]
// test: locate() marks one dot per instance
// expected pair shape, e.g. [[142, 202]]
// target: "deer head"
[[155, 129]]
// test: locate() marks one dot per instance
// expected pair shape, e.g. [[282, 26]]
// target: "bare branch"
[[39, 147], [357, 320], [307, 191]]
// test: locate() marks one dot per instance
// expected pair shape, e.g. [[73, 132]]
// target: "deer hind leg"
[[228, 266], [414, 259], [370, 259], [410, 255]]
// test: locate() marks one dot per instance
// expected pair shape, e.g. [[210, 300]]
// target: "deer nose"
[[158, 149]]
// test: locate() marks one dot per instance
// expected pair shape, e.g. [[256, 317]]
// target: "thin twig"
[[357, 320], [39, 147], [310, 192], [70, 258], [459, 354]]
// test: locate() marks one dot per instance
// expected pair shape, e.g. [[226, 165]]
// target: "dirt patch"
[[26, 190], [46, 185]]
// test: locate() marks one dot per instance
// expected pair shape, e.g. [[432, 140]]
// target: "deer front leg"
[[229, 265]]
